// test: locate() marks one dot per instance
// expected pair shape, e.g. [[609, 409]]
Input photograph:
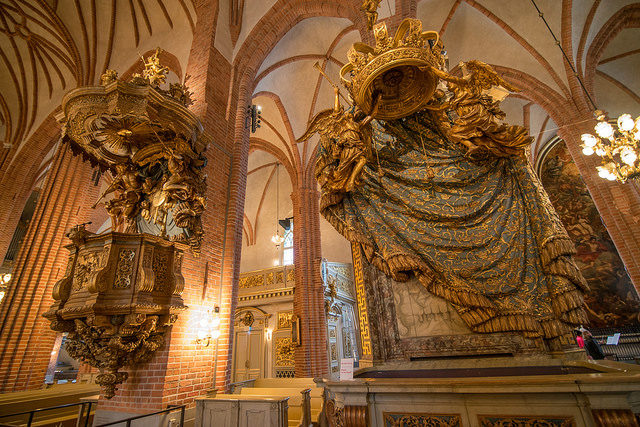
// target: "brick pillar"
[[17, 178], [183, 370], [308, 300], [26, 341]]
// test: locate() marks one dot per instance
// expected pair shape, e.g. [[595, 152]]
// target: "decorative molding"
[[398, 419], [111, 327], [285, 319], [284, 351], [265, 295], [124, 270], [363, 314]]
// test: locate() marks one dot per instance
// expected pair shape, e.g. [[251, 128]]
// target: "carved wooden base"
[[119, 294]]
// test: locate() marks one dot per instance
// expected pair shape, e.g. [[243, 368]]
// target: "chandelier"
[[618, 146], [277, 239]]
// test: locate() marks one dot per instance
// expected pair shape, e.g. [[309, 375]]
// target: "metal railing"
[[169, 409], [81, 414]]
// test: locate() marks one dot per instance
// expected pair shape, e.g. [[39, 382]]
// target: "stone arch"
[[626, 17]]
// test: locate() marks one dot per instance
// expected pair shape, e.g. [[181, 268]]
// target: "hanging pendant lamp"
[[277, 239]]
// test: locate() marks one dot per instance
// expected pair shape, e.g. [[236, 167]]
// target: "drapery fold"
[[479, 232]]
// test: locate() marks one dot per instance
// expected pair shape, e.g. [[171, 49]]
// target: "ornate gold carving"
[[284, 352], [284, 319], [108, 77], [252, 281], [87, 263], [398, 69], [97, 347], [370, 7], [160, 269], [478, 123], [332, 331], [153, 72], [291, 276], [335, 414], [247, 319], [125, 328], [153, 147], [363, 314], [334, 351], [279, 277], [270, 278], [345, 146], [393, 419], [124, 270], [348, 346], [531, 421]]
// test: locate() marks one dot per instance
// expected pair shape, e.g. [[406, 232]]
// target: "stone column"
[[26, 341], [308, 300]]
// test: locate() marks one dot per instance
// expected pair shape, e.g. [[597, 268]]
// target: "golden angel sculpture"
[[345, 145], [431, 184], [478, 124]]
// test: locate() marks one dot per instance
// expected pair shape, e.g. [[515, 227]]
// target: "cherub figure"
[[345, 145], [479, 118], [370, 7], [153, 71], [124, 207]]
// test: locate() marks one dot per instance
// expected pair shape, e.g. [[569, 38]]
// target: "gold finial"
[[153, 71], [370, 7], [397, 67]]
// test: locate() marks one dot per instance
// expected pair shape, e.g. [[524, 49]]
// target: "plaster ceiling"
[[50, 47]]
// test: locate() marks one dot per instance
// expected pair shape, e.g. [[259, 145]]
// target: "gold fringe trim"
[[478, 311], [554, 248]]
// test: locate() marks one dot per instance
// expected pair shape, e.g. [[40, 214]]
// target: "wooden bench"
[[59, 394]]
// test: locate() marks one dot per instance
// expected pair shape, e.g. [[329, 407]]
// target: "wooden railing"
[[306, 408], [237, 386]]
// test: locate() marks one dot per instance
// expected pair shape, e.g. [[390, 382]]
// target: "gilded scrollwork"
[[284, 352], [124, 269], [525, 421], [153, 147], [285, 319], [420, 420], [247, 319], [97, 347]]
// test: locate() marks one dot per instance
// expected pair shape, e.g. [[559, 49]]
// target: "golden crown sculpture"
[[397, 68]]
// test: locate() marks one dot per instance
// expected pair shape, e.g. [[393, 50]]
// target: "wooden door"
[[248, 354]]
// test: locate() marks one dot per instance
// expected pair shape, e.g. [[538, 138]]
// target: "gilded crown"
[[398, 68]]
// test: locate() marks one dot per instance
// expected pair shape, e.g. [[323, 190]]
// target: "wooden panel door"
[[248, 354]]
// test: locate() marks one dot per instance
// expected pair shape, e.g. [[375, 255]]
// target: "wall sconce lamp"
[[253, 119], [268, 332], [208, 327]]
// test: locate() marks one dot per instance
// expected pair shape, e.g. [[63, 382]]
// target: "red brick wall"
[[26, 341]]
